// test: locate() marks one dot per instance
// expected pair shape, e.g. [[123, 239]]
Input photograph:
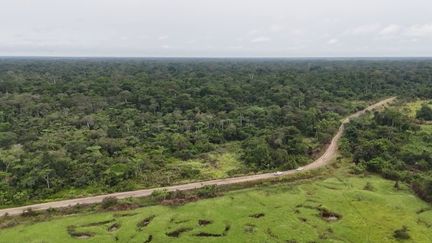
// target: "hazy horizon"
[[216, 29]]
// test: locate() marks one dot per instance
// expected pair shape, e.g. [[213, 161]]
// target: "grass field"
[[336, 209]]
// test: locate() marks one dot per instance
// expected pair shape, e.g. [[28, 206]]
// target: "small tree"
[[208, 191], [396, 185], [425, 113], [109, 202]]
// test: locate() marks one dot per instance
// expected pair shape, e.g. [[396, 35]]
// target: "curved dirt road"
[[324, 159]]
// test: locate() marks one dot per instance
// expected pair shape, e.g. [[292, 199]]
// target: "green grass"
[[290, 211], [411, 108], [218, 164]]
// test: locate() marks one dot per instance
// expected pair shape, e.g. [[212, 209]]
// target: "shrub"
[[159, 195], [109, 202], [369, 187], [401, 234], [425, 113], [29, 212], [208, 191]]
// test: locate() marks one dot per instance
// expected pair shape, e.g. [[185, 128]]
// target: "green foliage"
[[108, 202], [401, 234], [100, 125], [208, 191], [288, 212], [425, 113], [159, 195], [369, 187], [391, 144]]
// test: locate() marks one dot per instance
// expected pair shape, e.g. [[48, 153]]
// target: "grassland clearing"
[[335, 209]]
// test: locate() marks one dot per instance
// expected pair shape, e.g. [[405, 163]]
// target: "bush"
[[425, 113], [369, 187], [109, 202], [29, 212], [159, 195], [358, 169], [401, 234], [208, 191]]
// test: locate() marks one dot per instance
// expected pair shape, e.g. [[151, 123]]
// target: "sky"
[[216, 28]]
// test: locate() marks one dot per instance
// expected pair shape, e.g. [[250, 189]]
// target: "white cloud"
[[276, 28], [424, 30], [163, 37], [333, 41], [390, 30], [253, 32], [365, 29], [261, 39]]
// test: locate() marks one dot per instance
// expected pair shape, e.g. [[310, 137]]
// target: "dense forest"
[[394, 145], [74, 124]]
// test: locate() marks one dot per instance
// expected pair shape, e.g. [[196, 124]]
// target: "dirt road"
[[324, 159]]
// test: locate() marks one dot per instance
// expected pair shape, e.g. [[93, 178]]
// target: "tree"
[[257, 152], [425, 113]]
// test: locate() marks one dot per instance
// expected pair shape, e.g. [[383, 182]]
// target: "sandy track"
[[323, 160]]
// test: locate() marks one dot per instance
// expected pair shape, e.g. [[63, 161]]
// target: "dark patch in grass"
[[176, 233], [420, 221], [422, 210], [149, 239], [205, 234], [257, 215], [113, 227], [249, 228], [369, 187], [119, 215], [203, 222], [303, 219], [143, 223], [271, 234], [227, 228], [98, 223], [71, 229], [330, 187], [329, 215], [182, 221], [291, 241], [401, 234]]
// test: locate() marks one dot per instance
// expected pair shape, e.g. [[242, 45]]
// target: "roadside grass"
[[333, 209], [411, 108]]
